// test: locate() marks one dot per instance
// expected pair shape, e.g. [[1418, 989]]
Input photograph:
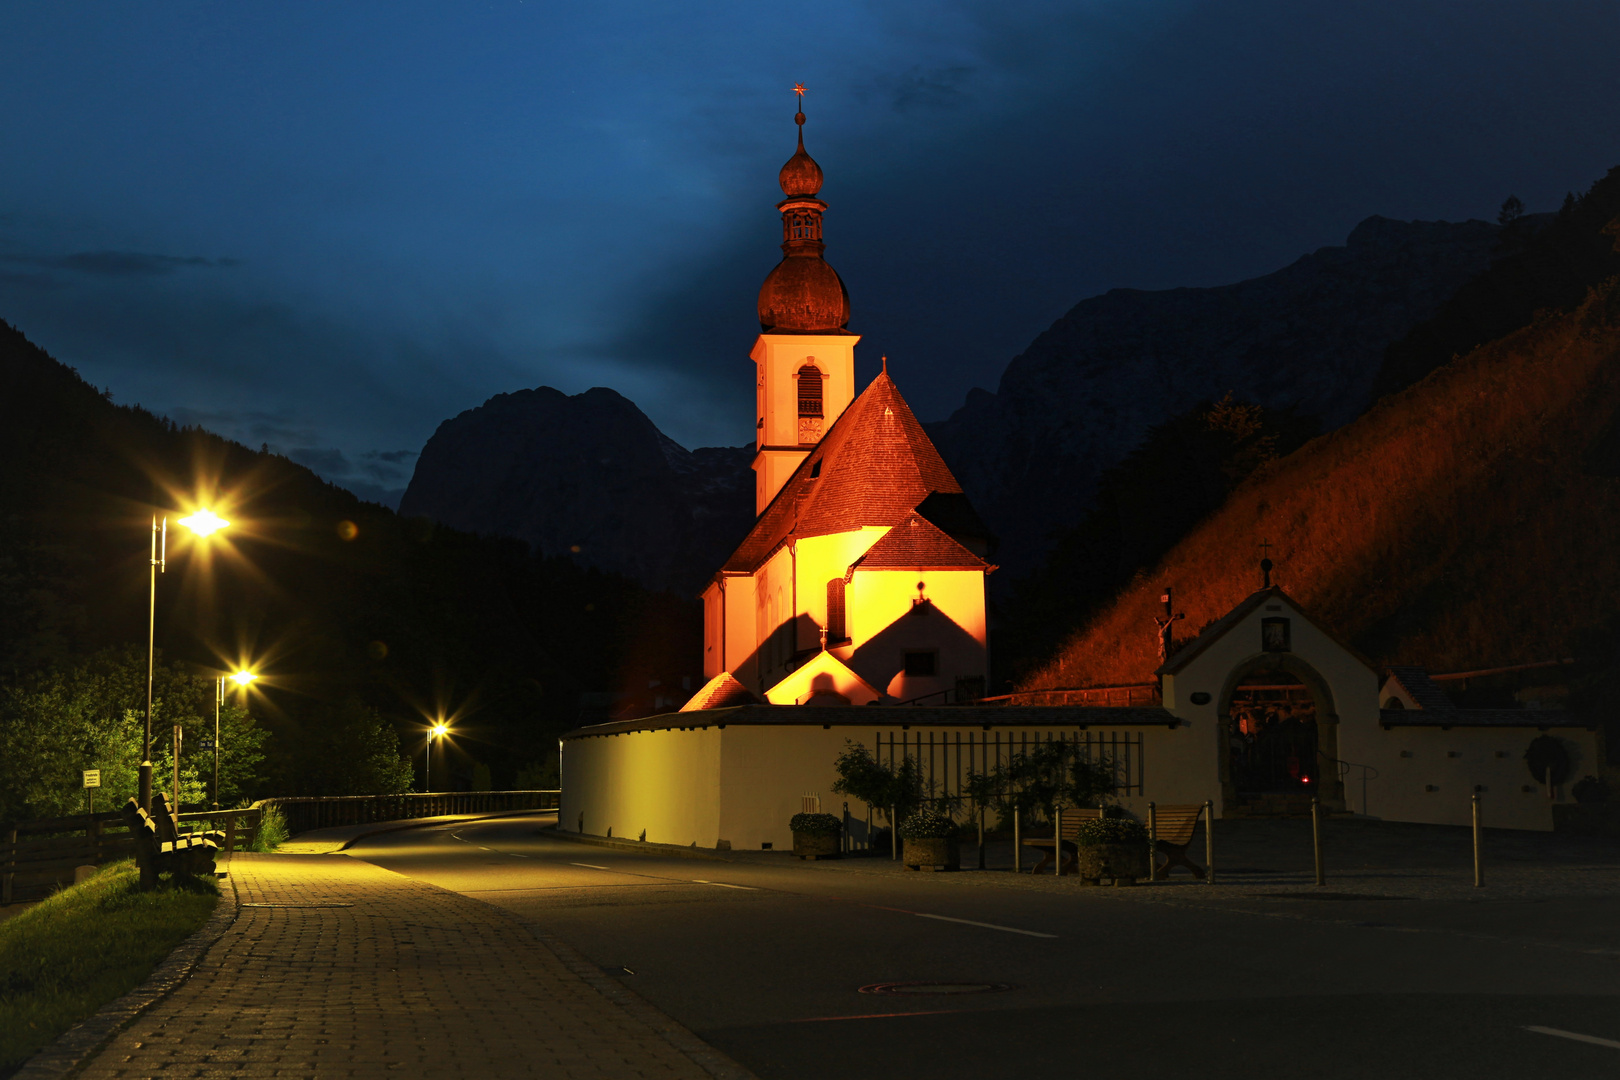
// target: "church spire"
[[802, 295]]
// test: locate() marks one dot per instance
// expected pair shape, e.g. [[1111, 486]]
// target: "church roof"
[[721, 692], [872, 467], [918, 544]]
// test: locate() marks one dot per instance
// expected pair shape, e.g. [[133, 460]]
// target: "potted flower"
[[930, 838], [1111, 847], [815, 836]]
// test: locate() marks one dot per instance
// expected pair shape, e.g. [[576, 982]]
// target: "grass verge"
[[86, 946], [272, 830]]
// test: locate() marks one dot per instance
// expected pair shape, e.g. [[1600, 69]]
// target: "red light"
[[1304, 779]]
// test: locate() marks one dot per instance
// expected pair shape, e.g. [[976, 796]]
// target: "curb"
[[710, 1060], [84, 1040]]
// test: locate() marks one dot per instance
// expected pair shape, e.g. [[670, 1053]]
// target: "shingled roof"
[[872, 467], [1416, 682], [918, 544], [721, 692]]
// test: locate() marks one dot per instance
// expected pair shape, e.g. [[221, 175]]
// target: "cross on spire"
[[1265, 564]]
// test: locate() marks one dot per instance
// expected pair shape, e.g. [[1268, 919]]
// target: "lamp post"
[[241, 679], [203, 522], [437, 731]]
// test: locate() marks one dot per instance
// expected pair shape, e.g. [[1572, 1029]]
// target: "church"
[[862, 581], [854, 611]]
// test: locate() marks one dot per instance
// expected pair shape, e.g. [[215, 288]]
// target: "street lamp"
[[203, 522], [241, 679], [437, 731]]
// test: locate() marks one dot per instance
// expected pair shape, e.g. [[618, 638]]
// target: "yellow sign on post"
[[92, 778]]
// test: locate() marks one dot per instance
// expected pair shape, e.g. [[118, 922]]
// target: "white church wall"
[[819, 559], [881, 605], [666, 782], [1428, 774]]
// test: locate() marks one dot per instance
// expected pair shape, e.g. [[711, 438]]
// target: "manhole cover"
[[936, 988]]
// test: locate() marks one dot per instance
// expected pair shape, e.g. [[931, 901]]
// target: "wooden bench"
[[1172, 830], [1071, 829], [168, 824], [155, 855]]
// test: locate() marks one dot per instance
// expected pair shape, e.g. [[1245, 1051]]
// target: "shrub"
[[816, 824], [928, 825], [272, 830], [1111, 830]]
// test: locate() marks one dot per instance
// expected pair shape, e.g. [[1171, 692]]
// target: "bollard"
[[1018, 842], [1316, 836], [981, 838], [1479, 862], [894, 834], [1153, 842], [843, 841], [1057, 842], [1209, 842]]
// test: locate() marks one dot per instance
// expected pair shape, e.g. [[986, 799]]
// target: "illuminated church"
[[863, 579]]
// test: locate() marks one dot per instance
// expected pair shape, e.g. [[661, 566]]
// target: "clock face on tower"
[[809, 429]]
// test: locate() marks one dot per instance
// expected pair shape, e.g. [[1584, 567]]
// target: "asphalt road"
[[767, 961]]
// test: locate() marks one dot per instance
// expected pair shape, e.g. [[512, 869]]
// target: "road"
[[767, 961]]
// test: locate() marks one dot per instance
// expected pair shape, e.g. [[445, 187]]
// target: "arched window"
[[836, 630], [810, 415]]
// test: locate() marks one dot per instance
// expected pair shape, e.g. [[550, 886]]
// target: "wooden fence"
[[37, 857]]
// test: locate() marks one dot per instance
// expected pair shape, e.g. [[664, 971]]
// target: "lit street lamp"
[[203, 522], [437, 731], [241, 679]]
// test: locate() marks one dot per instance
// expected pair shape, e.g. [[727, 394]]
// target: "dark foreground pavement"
[[1398, 969]]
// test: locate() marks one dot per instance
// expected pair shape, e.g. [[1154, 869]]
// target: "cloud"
[[931, 88], [120, 264]]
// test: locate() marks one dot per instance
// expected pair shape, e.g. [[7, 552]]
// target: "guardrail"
[[321, 812]]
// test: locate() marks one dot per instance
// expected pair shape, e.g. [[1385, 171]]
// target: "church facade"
[[862, 580]]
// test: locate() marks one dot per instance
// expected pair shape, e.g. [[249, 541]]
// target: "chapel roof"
[[1219, 628], [918, 544], [874, 466]]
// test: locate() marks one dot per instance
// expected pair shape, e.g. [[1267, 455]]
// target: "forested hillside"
[[1468, 520]]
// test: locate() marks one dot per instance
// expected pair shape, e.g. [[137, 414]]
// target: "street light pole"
[[437, 731], [157, 560], [219, 698]]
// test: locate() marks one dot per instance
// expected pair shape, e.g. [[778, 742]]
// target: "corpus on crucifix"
[[1166, 637]]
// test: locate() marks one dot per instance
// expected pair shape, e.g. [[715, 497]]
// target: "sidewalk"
[[335, 967]]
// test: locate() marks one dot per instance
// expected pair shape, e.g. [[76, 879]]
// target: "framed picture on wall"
[[1274, 635]]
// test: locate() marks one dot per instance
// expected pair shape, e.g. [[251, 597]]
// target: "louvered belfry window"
[[810, 415], [836, 630]]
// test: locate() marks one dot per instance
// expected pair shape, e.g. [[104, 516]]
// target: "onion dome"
[[801, 175], [803, 294]]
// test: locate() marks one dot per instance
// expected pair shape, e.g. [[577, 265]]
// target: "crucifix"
[[1165, 625]]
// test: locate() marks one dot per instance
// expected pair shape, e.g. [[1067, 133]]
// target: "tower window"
[[836, 631], [810, 380]]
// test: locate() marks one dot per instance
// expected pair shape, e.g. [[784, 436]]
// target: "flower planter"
[[815, 845], [1121, 863], [931, 853]]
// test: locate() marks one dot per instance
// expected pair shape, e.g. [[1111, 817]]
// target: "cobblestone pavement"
[[337, 968]]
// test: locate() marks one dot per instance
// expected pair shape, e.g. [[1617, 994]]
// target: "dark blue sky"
[[328, 227]]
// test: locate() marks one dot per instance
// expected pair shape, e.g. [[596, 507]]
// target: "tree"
[[1512, 210], [895, 789], [348, 749]]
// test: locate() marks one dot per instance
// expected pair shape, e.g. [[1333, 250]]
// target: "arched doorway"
[[1279, 736]]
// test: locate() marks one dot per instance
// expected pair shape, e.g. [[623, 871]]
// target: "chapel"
[[863, 578]]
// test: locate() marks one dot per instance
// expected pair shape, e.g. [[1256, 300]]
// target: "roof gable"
[[918, 544], [721, 692], [872, 467], [822, 674], [1226, 623], [1423, 691]]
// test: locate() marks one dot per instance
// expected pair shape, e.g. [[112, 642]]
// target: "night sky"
[[329, 226]]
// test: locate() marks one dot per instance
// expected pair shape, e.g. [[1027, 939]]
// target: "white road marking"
[[515, 855], [723, 885], [986, 925], [588, 866], [1577, 1036]]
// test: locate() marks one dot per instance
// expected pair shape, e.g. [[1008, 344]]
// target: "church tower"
[[804, 360]]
